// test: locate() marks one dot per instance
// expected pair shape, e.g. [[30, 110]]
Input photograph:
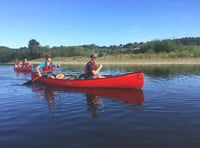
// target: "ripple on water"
[[169, 115]]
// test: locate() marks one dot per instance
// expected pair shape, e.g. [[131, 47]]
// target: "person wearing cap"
[[47, 68], [91, 70], [26, 64]]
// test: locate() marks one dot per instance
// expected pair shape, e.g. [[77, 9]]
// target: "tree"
[[33, 44]]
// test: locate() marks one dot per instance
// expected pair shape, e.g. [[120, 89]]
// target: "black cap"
[[48, 56], [93, 56]]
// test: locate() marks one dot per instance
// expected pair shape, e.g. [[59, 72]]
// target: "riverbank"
[[121, 61], [124, 60]]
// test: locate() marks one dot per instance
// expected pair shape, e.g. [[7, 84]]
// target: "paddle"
[[31, 81]]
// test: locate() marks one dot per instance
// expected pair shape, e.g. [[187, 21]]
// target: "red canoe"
[[130, 80], [27, 69]]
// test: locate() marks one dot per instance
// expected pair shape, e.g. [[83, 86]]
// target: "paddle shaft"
[[44, 73]]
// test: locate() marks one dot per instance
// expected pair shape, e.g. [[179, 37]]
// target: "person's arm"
[[38, 68], [54, 65], [58, 65], [95, 72], [30, 64], [38, 71]]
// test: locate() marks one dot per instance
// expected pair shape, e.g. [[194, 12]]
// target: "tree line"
[[183, 47]]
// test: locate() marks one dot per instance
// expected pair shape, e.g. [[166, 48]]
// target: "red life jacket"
[[48, 68], [88, 69], [94, 66], [26, 64]]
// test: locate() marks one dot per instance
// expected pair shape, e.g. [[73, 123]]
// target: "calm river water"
[[164, 114]]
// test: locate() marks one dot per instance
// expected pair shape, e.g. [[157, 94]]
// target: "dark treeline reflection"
[[163, 71], [166, 71]]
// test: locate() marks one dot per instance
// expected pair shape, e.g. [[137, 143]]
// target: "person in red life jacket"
[[47, 68], [25, 63], [17, 63], [91, 70]]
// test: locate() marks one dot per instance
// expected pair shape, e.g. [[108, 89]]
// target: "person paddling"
[[47, 68], [25, 63], [91, 70], [17, 63]]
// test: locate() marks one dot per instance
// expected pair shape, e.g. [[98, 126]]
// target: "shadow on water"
[[131, 97]]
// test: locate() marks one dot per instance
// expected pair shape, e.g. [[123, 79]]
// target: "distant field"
[[125, 59], [122, 60]]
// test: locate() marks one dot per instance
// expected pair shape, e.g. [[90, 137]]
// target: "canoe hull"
[[132, 80]]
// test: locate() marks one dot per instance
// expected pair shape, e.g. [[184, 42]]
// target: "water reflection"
[[53, 100], [168, 71], [94, 104], [19, 73], [162, 71], [94, 97], [23, 75]]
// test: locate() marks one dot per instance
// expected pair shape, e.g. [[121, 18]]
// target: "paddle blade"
[[30, 82]]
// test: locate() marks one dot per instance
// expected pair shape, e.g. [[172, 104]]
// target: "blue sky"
[[100, 22]]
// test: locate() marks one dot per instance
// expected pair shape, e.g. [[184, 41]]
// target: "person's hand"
[[58, 65]]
